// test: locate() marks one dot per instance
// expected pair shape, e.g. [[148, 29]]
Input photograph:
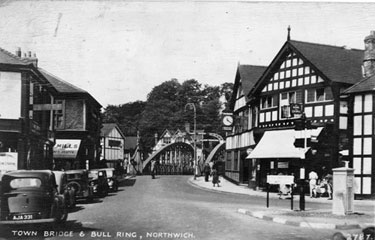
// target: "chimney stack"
[[31, 58], [369, 56], [18, 52]]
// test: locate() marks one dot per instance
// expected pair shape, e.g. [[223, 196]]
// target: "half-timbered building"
[[241, 138], [320, 82], [112, 145], [361, 114], [77, 124]]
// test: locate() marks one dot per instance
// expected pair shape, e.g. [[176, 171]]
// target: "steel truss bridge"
[[178, 159]]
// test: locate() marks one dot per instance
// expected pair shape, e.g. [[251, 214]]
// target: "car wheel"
[[75, 186]]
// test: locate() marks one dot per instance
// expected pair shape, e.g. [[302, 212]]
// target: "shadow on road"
[[76, 209], [127, 183]]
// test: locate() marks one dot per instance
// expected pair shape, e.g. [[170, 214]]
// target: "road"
[[167, 208]]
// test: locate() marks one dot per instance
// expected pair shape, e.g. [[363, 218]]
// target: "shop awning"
[[66, 148], [280, 144]]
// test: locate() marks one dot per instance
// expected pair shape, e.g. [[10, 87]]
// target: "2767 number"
[[359, 236]]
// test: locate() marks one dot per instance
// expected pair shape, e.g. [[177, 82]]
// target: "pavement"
[[317, 213]]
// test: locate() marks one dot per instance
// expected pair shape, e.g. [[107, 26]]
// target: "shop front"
[[276, 154], [65, 154]]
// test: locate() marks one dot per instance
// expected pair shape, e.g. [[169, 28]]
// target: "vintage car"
[[31, 196], [112, 179], [99, 182], [79, 181], [64, 189]]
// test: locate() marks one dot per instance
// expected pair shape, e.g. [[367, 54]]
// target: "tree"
[[127, 116], [165, 109]]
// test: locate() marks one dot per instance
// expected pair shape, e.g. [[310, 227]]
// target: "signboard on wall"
[[296, 109], [280, 179], [283, 165], [66, 148], [10, 90], [8, 162]]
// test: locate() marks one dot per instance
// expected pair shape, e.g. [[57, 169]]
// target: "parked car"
[[64, 189], [79, 181], [112, 179], [99, 182], [31, 196]]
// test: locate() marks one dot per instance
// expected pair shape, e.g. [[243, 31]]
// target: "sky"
[[119, 50]]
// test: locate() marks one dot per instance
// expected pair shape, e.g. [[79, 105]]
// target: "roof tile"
[[339, 64]]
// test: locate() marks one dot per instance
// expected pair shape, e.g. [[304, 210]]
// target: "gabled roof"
[[64, 87], [166, 131], [365, 85], [247, 76], [108, 127], [338, 64], [10, 58], [60, 85]]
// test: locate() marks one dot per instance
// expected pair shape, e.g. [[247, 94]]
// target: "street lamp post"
[[195, 140]]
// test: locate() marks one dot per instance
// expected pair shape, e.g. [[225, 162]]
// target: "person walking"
[[215, 178], [207, 171], [313, 177], [153, 168]]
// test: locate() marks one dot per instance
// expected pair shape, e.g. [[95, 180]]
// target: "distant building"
[[112, 145]]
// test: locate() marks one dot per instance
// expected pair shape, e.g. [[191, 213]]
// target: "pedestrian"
[[153, 168], [215, 178], [329, 179], [207, 171], [313, 177]]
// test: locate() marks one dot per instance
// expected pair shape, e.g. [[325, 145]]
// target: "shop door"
[[245, 170]]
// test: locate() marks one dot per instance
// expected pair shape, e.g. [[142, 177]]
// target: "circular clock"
[[228, 120]]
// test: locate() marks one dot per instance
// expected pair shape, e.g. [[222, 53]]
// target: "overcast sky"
[[119, 50]]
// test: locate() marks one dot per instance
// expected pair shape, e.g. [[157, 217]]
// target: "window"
[[25, 183], [319, 95], [268, 102], [229, 160], [286, 99], [235, 161], [167, 140], [59, 116], [114, 143]]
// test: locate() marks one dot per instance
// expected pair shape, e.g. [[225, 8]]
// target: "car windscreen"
[[93, 174], [109, 173], [25, 183], [74, 176]]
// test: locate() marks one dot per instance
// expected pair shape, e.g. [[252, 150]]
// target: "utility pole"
[[195, 138]]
